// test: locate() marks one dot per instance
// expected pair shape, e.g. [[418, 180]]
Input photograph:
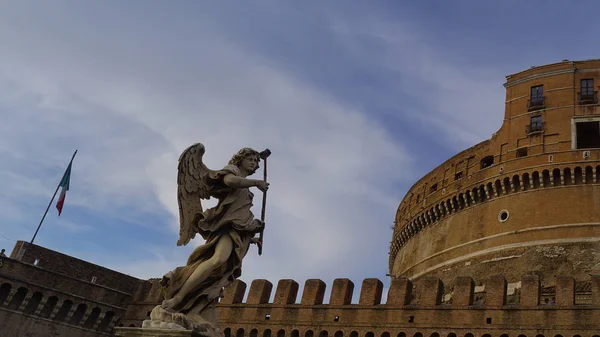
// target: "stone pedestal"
[[139, 332]]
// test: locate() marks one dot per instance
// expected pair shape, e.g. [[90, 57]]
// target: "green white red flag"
[[64, 184]]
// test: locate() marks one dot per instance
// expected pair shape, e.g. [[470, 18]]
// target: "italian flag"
[[64, 183]]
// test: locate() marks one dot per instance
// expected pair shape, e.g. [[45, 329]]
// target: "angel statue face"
[[247, 160]]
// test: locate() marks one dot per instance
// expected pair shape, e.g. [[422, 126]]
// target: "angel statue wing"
[[191, 187]]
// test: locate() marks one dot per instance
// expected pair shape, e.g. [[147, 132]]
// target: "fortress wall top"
[[18, 274], [67, 265], [428, 294]]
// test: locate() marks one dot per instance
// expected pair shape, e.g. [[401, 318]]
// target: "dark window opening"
[[586, 91], [433, 188], [268, 317], [336, 319], [522, 152], [536, 100], [411, 319], [488, 320], [487, 162], [458, 175], [535, 125], [588, 135]]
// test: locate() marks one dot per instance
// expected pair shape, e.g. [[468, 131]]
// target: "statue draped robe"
[[232, 217]]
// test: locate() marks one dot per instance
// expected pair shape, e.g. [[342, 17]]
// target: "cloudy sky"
[[356, 100]]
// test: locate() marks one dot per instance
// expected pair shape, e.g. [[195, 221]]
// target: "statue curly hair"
[[243, 153]]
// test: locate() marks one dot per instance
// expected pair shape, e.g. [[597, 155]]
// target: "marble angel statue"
[[191, 291]]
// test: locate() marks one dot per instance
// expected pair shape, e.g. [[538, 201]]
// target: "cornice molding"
[[509, 84]]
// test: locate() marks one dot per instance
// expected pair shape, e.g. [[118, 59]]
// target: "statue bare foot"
[[170, 304]]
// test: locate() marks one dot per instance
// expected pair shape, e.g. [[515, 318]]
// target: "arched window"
[[323, 333], [354, 334], [482, 194], [254, 333], [49, 307], [516, 183], [567, 176], [507, 186], [4, 292], [556, 177], [401, 334], [526, 181], [18, 298], [227, 332], [239, 332], [267, 333], [63, 311], [309, 333], [91, 320], [452, 334], [435, 334], [295, 333], [546, 178], [33, 303], [105, 323], [589, 175], [78, 314], [578, 175], [498, 187], [469, 335], [535, 178], [385, 334], [369, 334], [418, 334], [281, 333]]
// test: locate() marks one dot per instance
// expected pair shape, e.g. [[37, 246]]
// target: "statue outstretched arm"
[[234, 181]]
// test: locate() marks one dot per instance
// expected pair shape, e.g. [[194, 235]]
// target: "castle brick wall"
[[412, 310]]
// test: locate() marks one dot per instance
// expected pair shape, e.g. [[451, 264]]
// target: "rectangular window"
[[535, 124], [433, 188], [458, 175], [588, 135], [522, 152], [537, 94], [586, 91], [587, 87]]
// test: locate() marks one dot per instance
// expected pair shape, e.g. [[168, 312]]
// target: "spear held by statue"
[[263, 155]]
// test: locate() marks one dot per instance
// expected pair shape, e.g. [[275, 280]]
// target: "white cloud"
[[329, 206]]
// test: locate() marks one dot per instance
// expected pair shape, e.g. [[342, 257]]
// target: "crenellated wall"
[[425, 308]]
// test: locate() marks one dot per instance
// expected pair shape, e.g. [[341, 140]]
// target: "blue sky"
[[356, 99]]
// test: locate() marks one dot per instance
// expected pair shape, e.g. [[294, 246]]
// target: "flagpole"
[[54, 195]]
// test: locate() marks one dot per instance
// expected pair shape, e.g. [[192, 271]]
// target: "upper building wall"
[[73, 267], [550, 115]]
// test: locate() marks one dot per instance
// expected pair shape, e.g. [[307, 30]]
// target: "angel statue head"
[[246, 159]]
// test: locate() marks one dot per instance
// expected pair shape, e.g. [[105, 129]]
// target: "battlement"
[[491, 308], [428, 292]]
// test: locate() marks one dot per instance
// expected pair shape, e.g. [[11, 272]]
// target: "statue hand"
[[262, 185], [258, 225], [256, 241]]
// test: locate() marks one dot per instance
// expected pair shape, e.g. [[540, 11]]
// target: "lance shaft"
[[264, 155]]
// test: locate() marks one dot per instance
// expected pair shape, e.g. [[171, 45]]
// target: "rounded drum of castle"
[[525, 201]]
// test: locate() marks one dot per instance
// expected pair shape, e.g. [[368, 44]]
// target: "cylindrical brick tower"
[[525, 201]]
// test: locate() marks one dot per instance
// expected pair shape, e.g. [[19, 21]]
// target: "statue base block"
[[143, 332]]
